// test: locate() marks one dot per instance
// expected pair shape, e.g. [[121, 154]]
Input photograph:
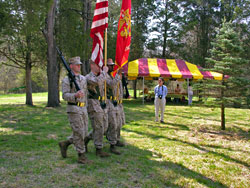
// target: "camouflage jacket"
[[95, 86], [112, 86], [120, 90], [68, 94]]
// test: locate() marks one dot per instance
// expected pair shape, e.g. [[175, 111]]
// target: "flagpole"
[[105, 62]]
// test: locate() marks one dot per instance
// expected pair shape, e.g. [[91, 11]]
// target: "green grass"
[[189, 150]]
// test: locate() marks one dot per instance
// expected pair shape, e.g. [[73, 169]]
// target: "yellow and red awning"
[[170, 68]]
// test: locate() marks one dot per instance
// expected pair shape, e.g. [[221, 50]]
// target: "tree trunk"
[[223, 127], [5, 88], [204, 40], [165, 31], [28, 83], [86, 17], [134, 87], [58, 85], [52, 64]]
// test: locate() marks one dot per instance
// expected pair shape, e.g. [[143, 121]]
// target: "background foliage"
[[164, 29]]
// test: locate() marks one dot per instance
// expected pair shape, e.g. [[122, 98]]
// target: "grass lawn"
[[189, 150]]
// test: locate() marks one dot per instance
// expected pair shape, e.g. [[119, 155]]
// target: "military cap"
[[75, 60], [110, 62]]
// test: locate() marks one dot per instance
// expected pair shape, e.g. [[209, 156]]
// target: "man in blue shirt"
[[161, 92]]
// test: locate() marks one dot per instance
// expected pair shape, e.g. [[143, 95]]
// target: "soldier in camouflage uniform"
[[97, 107], [106, 121], [121, 114], [77, 115], [112, 105]]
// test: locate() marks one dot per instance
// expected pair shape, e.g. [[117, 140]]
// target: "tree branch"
[[11, 57], [11, 65]]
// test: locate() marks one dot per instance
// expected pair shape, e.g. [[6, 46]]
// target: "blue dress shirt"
[[161, 90]]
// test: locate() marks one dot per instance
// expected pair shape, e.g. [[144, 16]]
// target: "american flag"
[[99, 24]]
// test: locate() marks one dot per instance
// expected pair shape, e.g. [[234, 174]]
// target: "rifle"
[[70, 74]]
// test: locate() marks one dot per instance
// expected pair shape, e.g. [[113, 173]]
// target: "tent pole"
[[187, 89], [143, 89]]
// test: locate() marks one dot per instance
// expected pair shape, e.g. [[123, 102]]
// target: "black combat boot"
[[101, 153], [63, 147], [82, 159], [119, 144], [113, 150]]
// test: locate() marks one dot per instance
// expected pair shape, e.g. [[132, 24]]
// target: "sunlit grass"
[[189, 150]]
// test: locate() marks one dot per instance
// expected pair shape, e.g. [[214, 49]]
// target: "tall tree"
[[52, 64], [8, 77], [86, 18], [73, 28], [201, 19], [245, 37], [166, 23], [226, 59], [114, 14], [21, 39], [233, 10], [140, 14], [3, 15]]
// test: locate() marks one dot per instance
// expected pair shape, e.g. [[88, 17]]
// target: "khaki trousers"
[[159, 104]]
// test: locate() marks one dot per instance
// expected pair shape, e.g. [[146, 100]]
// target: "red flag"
[[123, 35], [99, 24]]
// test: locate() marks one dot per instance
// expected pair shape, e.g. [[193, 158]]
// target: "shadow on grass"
[[153, 136], [142, 168], [137, 104], [152, 125], [226, 148], [134, 168], [166, 126], [30, 128], [181, 126], [168, 172], [204, 116], [229, 133]]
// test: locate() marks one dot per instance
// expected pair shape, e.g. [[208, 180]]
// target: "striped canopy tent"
[[167, 68]]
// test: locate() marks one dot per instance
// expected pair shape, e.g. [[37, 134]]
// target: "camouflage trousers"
[[111, 133], [120, 121], [99, 123], [79, 125]]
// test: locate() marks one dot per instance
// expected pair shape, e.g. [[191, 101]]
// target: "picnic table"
[[177, 97]]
